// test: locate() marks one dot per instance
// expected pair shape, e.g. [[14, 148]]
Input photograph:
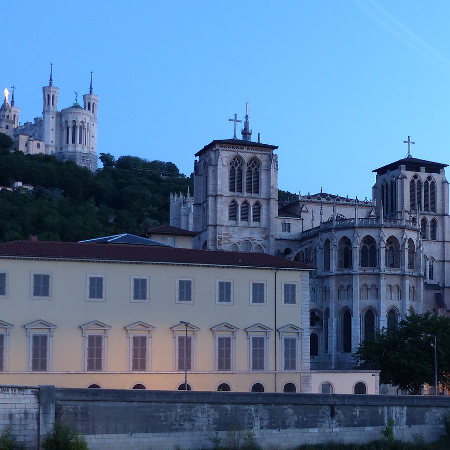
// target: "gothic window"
[[345, 253], [411, 254], [256, 212], [314, 318], [342, 293], [80, 134], [369, 324], [244, 211], [252, 177], [412, 294], [431, 269], [368, 252], [392, 200], [314, 345], [326, 322], [236, 175], [53, 99], [346, 326], [93, 108], [392, 320], [426, 195], [48, 99], [388, 292], [373, 293], [397, 292], [326, 255], [247, 246], [364, 292], [415, 193], [423, 228], [433, 230], [433, 196], [232, 210], [392, 253]]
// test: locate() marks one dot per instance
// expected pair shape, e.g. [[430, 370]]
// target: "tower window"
[[368, 252], [244, 211], [232, 210], [345, 253], [235, 175], [256, 210], [252, 177]]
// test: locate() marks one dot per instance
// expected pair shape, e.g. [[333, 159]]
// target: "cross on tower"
[[235, 120], [409, 142]]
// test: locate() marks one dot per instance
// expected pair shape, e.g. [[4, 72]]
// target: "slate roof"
[[412, 165], [125, 238], [170, 230], [236, 142], [74, 251]]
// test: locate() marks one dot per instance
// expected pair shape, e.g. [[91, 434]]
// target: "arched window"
[[232, 210], [397, 292], [423, 228], [368, 252], [53, 99], [412, 294], [48, 99], [94, 386], [326, 328], [314, 344], [326, 388], [345, 253], [224, 387], [326, 255], [388, 292], [252, 177], [80, 134], [256, 212], [392, 253], [234, 248], [257, 387], [67, 133], [89, 106], [392, 320], [346, 320], [235, 177], [426, 195], [360, 388], [93, 107], [139, 386], [74, 132], [289, 387], [373, 292], [369, 324], [415, 193], [364, 292], [244, 211], [431, 269], [411, 254], [433, 196], [259, 249], [392, 199], [182, 387], [433, 229], [247, 246]]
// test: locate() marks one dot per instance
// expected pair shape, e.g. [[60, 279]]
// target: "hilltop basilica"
[[376, 261], [69, 134]]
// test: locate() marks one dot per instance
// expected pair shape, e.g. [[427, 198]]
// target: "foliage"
[[388, 430], [285, 196], [6, 143], [63, 437], [9, 442], [405, 355], [71, 203]]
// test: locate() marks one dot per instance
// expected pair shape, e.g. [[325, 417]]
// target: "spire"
[[90, 87], [13, 88], [409, 142], [50, 82], [246, 132]]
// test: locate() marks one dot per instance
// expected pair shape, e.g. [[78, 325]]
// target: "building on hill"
[[376, 260], [70, 134], [138, 316], [176, 237]]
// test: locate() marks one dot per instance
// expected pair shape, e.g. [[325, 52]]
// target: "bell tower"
[[91, 105], [49, 114]]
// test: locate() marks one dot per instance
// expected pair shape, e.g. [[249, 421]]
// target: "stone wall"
[[164, 420]]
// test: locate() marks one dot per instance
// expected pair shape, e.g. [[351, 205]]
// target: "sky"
[[338, 85]]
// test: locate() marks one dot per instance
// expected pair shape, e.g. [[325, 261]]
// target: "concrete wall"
[[163, 420]]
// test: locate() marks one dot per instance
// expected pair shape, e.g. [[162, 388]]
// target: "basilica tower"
[[49, 114]]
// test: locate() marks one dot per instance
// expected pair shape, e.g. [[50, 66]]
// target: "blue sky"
[[336, 84]]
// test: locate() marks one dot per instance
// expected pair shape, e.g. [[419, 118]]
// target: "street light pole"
[[435, 363], [185, 353]]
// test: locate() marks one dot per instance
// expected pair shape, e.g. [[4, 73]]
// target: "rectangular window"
[[224, 353], [139, 356], [140, 289], [224, 292], [285, 227], [2, 352], [39, 352], [94, 353], [3, 284], [41, 285], [258, 293], [290, 294], [184, 354], [185, 290], [258, 350], [290, 353], [96, 287]]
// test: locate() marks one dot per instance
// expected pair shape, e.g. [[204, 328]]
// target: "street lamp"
[[182, 322], [435, 363]]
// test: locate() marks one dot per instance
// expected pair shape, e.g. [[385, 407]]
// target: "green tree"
[[6, 143], [63, 437], [107, 160], [405, 356]]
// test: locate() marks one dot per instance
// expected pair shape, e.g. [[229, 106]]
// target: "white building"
[[70, 134]]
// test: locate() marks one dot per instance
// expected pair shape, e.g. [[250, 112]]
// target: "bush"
[[63, 437], [9, 442]]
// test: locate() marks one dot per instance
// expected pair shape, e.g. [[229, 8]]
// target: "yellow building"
[[137, 316]]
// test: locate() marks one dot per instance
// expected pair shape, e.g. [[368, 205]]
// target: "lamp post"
[[182, 322], [435, 363]]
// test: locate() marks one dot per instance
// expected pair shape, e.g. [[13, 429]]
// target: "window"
[[431, 269], [244, 211], [392, 320], [423, 228], [185, 346], [345, 253], [95, 346], [3, 291], [140, 289], [183, 387], [232, 210], [258, 353], [258, 337], [224, 353], [258, 293], [94, 386], [392, 253], [184, 290], [326, 388], [252, 177], [139, 386], [39, 337], [411, 254], [290, 293], [290, 353], [326, 255], [290, 339], [326, 329], [346, 327], [224, 387], [360, 388], [41, 285], [224, 292], [2, 352], [235, 175], [285, 227], [289, 387], [368, 252], [314, 344], [256, 211], [5, 328], [224, 347], [95, 287], [139, 336], [415, 194], [369, 324], [433, 229]]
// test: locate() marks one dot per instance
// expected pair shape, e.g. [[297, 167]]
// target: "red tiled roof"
[[169, 229], [142, 253]]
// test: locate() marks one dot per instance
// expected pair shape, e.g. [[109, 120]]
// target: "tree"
[[405, 355], [6, 143], [107, 160]]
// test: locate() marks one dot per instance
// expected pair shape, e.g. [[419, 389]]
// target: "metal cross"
[[409, 142], [235, 120]]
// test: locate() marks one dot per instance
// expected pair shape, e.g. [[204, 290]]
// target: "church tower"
[[91, 104], [49, 114], [9, 114]]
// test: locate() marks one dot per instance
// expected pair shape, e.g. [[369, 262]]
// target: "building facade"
[[70, 134]]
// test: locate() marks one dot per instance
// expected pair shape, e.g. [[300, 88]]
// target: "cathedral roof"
[[171, 231], [411, 165], [236, 142], [125, 253]]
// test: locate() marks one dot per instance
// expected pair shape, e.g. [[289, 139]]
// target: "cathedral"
[[375, 260], [69, 134]]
